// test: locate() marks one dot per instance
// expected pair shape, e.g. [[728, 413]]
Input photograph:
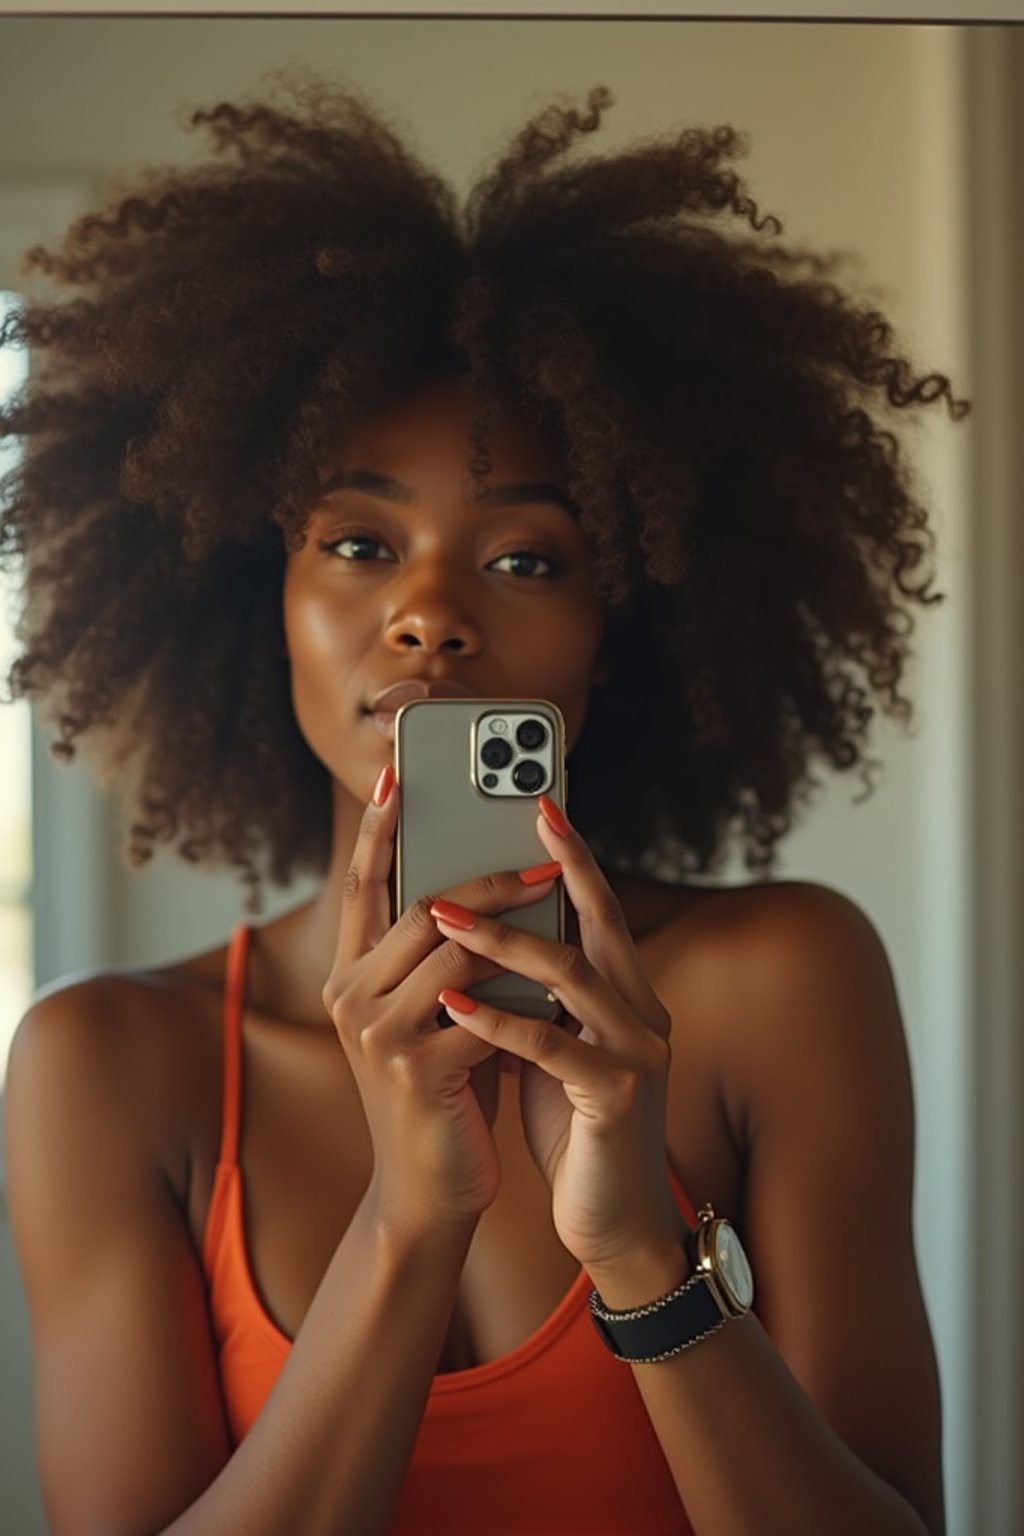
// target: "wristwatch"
[[720, 1287]]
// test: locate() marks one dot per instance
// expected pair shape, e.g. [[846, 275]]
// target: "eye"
[[355, 546], [525, 563]]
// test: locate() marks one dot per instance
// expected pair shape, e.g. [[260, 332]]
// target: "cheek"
[[318, 627], [321, 643]]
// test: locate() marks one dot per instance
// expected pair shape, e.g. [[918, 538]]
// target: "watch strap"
[[663, 1327]]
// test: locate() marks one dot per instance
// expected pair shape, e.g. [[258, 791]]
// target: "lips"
[[382, 710], [392, 699]]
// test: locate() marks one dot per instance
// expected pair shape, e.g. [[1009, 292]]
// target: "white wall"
[[994, 1232], [858, 143]]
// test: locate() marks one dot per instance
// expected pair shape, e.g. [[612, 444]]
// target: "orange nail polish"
[[540, 872], [457, 1000], [455, 916], [384, 784], [553, 816]]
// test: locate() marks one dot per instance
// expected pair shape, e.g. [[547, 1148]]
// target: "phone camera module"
[[496, 753], [528, 775], [530, 735]]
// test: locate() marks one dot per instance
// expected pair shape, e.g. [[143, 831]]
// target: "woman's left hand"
[[594, 1084]]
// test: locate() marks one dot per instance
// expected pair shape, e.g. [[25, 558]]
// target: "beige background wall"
[[859, 142]]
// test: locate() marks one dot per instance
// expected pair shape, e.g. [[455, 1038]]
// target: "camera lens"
[[528, 776], [531, 735], [496, 753]]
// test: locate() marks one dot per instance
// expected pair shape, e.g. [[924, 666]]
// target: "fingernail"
[[455, 916], [384, 784], [539, 872], [457, 1000], [553, 816]]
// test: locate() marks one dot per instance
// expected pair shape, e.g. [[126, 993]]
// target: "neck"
[[294, 953]]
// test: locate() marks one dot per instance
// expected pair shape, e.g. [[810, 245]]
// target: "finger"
[[560, 1054], [451, 1052], [449, 966], [415, 933], [604, 933], [366, 900], [564, 970]]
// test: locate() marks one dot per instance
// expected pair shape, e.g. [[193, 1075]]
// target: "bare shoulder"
[[131, 1046], [786, 923], [811, 1004], [754, 917], [780, 978], [91, 1066]]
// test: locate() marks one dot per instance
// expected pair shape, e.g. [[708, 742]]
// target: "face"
[[405, 576]]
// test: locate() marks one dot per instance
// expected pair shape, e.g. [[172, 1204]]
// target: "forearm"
[[750, 1453], [330, 1449]]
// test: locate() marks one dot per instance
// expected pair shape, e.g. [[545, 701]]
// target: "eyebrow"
[[393, 490]]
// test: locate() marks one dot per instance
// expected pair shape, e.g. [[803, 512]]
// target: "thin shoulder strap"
[[234, 1007]]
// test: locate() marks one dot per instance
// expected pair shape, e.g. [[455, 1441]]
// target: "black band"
[[664, 1330]]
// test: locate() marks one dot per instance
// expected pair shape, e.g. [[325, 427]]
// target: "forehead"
[[429, 428]]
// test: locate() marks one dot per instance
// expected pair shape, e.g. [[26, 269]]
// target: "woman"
[[304, 1249]]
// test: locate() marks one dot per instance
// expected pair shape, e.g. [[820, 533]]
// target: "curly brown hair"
[[723, 405]]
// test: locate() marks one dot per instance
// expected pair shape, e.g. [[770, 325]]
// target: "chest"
[[306, 1160]]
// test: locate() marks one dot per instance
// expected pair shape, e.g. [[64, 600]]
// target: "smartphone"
[[470, 772]]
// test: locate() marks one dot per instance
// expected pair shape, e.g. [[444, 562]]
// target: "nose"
[[429, 616]]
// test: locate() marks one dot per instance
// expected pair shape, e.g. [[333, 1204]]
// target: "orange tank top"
[[553, 1438]]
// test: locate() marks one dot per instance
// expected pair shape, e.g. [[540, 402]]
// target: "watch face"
[[732, 1264]]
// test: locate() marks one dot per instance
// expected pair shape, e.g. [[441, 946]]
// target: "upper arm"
[[820, 1066], [129, 1423]]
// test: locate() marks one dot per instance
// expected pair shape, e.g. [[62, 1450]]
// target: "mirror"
[[860, 142]]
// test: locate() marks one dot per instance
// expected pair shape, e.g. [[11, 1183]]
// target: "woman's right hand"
[[435, 1160]]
